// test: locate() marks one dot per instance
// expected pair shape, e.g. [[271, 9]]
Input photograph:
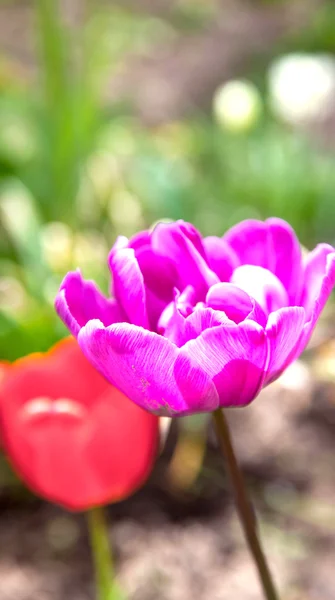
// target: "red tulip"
[[72, 437]]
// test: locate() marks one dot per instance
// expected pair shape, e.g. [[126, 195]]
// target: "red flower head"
[[74, 438]]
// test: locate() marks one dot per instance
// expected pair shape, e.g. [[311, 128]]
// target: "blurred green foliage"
[[75, 171]]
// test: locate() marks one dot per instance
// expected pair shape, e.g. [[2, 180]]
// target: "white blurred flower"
[[56, 242], [302, 87], [237, 105]]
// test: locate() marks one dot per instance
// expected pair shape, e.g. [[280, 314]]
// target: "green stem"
[[103, 563], [244, 506]]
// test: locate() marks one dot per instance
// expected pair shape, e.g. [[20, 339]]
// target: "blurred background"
[[116, 114]]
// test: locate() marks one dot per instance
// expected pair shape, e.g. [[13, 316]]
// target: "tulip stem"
[[243, 505], [102, 557]]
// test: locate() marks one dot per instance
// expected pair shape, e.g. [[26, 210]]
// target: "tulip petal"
[[273, 245], [186, 301], [250, 241], [170, 240], [201, 319], [74, 439], [235, 302], [234, 357], [129, 286], [160, 277], [288, 262], [262, 285], [172, 323], [284, 330], [319, 282], [141, 364], [159, 273], [78, 301], [120, 243], [140, 240], [319, 279], [220, 257], [190, 232], [180, 330]]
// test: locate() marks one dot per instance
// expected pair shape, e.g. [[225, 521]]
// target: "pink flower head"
[[198, 323]]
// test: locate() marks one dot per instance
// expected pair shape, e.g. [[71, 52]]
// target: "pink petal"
[[140, 240], [155, 307], [262, 285], [120, 243], [151, 269], [319, 279], [273, 245], [319, 282], [129, 286], [160, 277], [234, 356], [288, 263], [186, 301], [78, 301], [201, 319], [142, 365], [250, 241], [172, 318], [220, 257], [159, 273], [290, 329], [235, 302], [284, 330], [171, 241], [189, 231], [181, 321], [172, 323]]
